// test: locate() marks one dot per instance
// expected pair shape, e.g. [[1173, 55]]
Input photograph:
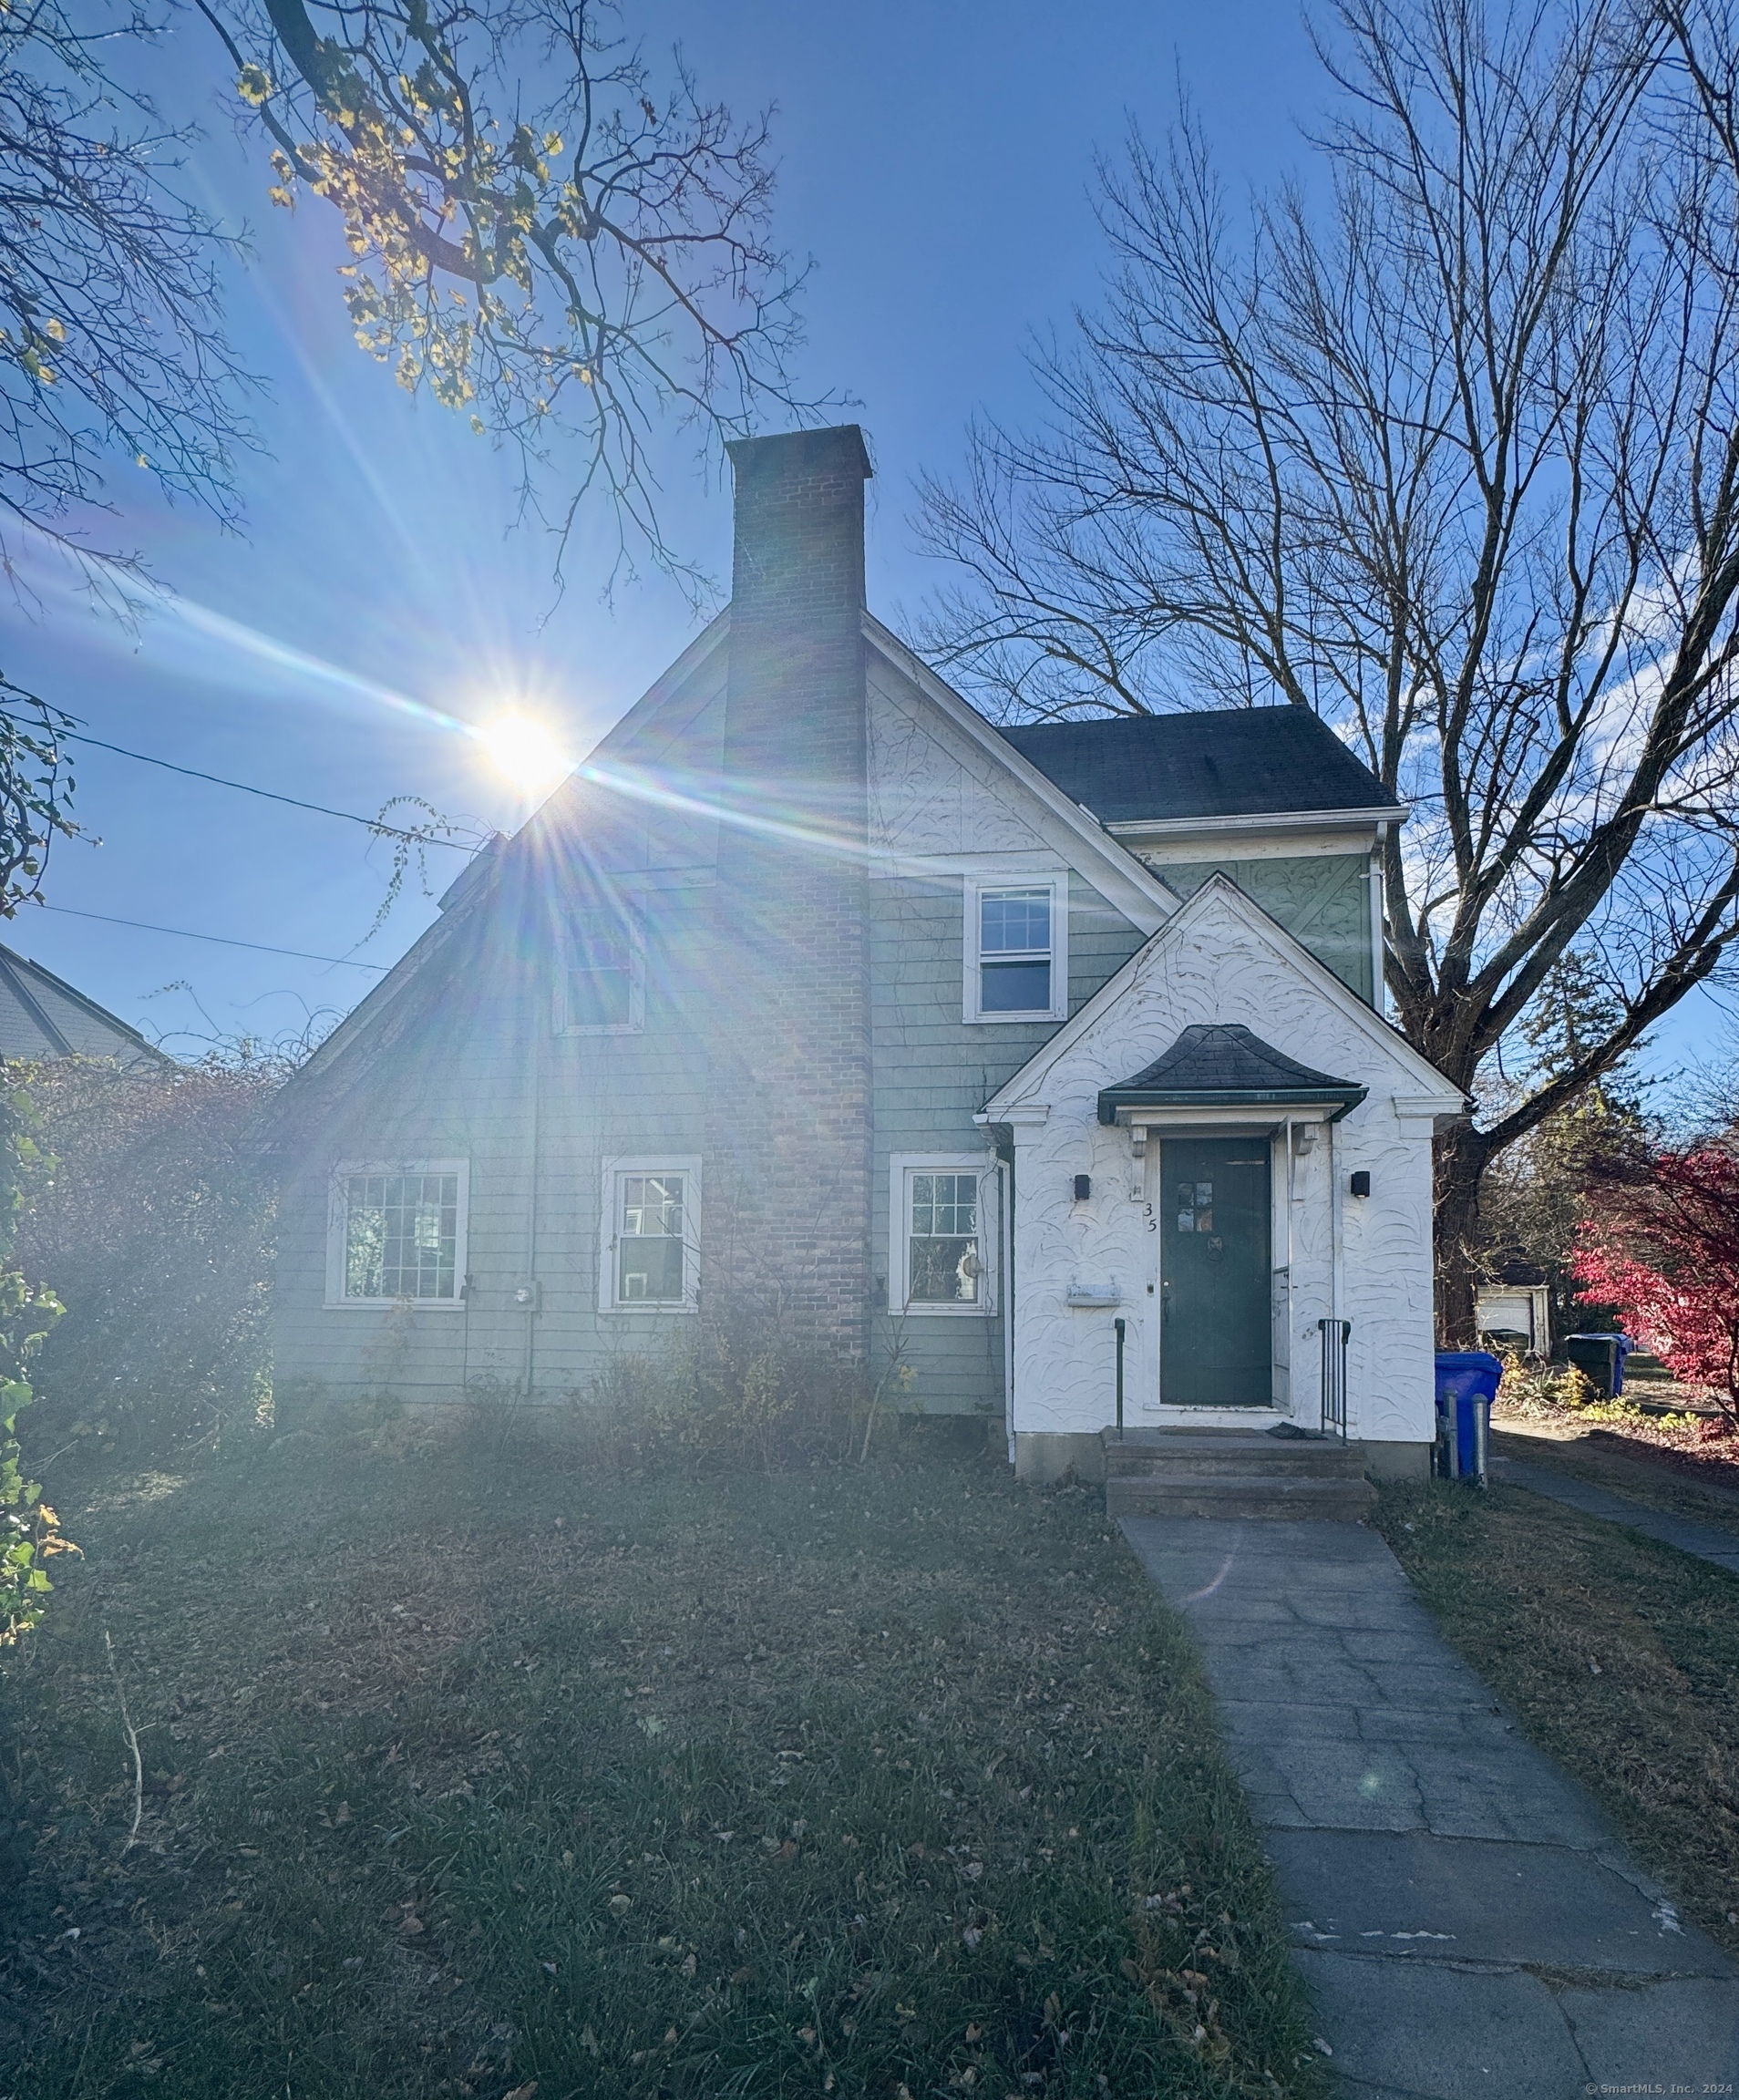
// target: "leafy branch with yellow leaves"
[[537, 240]]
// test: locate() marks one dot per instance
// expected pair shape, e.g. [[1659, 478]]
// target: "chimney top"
[[790, 454]]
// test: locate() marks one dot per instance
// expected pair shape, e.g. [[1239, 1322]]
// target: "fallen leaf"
[[620, 1906]]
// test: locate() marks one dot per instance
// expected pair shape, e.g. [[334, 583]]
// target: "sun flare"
[[522, 751]]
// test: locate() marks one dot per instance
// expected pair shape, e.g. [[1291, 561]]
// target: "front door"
[[1215, 1285]]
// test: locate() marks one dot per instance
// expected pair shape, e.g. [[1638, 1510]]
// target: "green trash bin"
[[1601, 1358]]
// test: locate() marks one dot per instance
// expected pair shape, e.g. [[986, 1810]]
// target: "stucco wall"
[[1214, 964], [1322, 900]]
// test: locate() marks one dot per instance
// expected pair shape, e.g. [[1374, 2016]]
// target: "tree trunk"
[[1459, 1160]]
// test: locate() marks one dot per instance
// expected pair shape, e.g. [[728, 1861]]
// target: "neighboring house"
[[41, 1017], [813, 997]]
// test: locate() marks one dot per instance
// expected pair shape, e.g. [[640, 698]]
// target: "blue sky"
[[935, 163]]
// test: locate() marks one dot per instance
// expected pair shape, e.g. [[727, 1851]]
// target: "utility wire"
[[219, 940], [267, 794]]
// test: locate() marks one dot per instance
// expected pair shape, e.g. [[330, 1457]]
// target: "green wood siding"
[[934, 1071]]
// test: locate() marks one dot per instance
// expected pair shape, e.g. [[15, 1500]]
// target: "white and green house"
[[815, 995]]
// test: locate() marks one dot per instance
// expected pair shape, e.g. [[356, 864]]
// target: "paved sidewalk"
[[1469, 1921], [1704, 1541]]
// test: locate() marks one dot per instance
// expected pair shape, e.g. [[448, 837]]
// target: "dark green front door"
[[1216, 1340]]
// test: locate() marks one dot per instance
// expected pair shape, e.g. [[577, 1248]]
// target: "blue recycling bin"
[[1466, 1387]]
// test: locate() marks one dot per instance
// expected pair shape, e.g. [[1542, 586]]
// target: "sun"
[[524, 753]]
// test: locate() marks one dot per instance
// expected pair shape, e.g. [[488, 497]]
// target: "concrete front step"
[[1233, 1473], [1202, 1456], [1229, 1494]]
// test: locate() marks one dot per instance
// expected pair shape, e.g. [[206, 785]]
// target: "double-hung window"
[[1016, 937], [396, 1234], [602, 989], [945, 1227], [652, 1210]]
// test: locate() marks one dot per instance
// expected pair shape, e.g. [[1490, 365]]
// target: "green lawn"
[[1620, 1656], [463, 1774]]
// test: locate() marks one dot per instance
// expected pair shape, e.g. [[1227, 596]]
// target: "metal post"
[[1119, 1325]]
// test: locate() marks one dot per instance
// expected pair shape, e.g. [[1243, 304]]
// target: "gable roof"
[[1143, 897], [1228, 761], [42, 1016], [1214, 1063], [1220, 892]]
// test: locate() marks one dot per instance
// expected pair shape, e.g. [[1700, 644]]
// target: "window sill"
[[946, 1313], [394, 1304], [1016, 1019], [655, 1309]]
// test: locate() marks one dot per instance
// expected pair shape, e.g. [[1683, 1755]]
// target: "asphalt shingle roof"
[[1232, 762], [42, 1016], [1217, 1061]]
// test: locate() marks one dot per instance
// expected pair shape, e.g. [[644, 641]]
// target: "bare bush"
[[155, 1226]]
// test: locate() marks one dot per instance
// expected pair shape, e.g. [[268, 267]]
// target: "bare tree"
[[1445, 445], [534, 240], [112, 350], [538, 241]]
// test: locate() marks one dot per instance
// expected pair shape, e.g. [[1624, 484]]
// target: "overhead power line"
[[269, 794], [219, 940]]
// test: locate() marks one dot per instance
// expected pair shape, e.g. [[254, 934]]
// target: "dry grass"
[[1620, 1656], [462, 1779], [1701, 1485]]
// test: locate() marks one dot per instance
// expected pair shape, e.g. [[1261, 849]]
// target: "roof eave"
[[1115, 1102], [1243, 822]]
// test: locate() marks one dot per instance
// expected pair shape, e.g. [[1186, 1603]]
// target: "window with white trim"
[[651, 1214], [396, 1233], [945, 1227], [1016, 948], [602, 987]]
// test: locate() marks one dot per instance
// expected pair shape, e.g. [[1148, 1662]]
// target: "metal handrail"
[[1336, 1334]]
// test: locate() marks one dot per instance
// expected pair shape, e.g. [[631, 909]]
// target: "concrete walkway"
[[1704, 1541], [1467, 1920]]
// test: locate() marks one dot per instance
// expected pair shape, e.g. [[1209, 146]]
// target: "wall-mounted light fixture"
[[1361, 1182], [1083, 1186]]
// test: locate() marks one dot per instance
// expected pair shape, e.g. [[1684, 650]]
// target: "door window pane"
[[945, 1251], [649, 1240]]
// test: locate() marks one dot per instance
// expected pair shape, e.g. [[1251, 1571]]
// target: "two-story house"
[[1044, 1048]]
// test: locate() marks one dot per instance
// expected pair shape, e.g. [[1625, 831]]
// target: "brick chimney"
[[787, 1188]]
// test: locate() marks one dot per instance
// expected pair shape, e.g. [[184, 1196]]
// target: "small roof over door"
[[1219, 1065]]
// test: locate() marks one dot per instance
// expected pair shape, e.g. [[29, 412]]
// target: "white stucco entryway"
[[1082, 1262]]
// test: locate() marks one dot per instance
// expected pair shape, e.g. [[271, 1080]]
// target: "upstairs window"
[[651, 1213], [602, 989], [397, 1235], [1016, 968]]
